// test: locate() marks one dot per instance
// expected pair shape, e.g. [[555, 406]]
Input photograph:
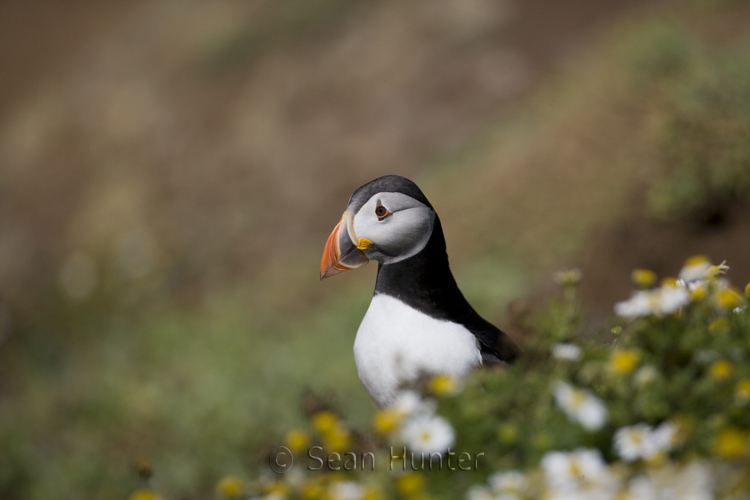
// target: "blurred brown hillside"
[[195, 137]]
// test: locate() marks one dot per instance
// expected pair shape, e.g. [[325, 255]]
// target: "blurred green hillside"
[[164, 199]]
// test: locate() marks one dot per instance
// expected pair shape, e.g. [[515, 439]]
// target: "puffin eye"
[[381, 212]]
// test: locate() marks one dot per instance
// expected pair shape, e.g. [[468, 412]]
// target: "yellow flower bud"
[[278, 488], [386, 421], [727, 299], [714, 271], [731, 443], [643, 278], [444, 385], [410, 484], [720, 370], [696, 260], [336, 438], [699, 292], [372, 493], [312, 490], [669, 282], [324, 421], [229, 487], [623, 361], [143, 495], [297, 439], [747, 290]]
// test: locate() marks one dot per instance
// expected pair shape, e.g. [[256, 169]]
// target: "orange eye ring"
[[381, 212]]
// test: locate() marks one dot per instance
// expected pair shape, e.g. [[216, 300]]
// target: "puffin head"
[[388, 220]]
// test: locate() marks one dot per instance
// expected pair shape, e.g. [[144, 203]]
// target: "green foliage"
[[683, 374], [704, 130]]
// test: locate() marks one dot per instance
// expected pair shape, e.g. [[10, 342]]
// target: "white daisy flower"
[[428, 433], [581, 405], [633, 442], [642, 303], [346, 490], [714, 271], [510, 482], [697, 284], [694, 268], [645, 375], [566, 351], [667, 299], [693, 481], [642, 441], [671, 298], [641, 488], [479, 492], [409, 402], [569, 470], [663, 438]]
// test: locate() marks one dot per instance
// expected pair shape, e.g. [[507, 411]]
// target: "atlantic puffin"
[[418, 323]]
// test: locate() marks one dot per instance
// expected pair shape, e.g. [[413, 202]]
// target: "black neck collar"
[[424, 281]]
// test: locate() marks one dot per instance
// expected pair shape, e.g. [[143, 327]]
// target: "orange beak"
[[342, 251]]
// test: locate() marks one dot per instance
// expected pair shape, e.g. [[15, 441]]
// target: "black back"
[[425, 282]]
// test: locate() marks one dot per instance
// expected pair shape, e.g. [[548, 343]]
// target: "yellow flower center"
[[579, 397], [229, 487], [278, 488], [143, 495], [669, 282], [575, 470], [696, 260], [720, 370], [729, 298], [623, 361], [443, 385], [312, 490], [644, 278], [410, 484], [324, 421], [698, 292], [297, 439], [731, 443], [385, 421], [337, 438]]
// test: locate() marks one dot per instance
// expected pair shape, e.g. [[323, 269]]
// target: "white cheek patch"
[[406, 234], [400, 235]]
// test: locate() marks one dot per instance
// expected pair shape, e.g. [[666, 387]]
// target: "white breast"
[[396, 344]]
